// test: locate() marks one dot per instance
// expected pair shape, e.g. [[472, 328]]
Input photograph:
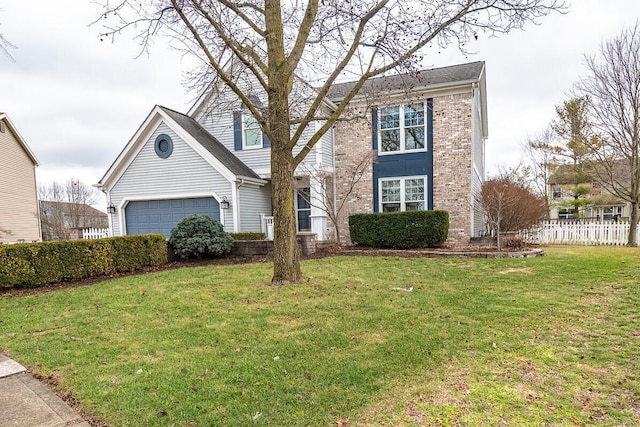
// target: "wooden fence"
[[578, 233], [95, 233]]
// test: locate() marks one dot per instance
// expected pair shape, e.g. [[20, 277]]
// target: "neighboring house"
[[64, 220], [19, 221], [426, 133], [586, 200]]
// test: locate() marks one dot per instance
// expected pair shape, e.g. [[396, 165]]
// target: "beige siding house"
[[19, 217]]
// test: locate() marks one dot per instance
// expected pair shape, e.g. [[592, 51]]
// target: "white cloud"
[[77, 100]]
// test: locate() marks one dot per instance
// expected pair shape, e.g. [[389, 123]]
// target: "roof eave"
[[21, 141]]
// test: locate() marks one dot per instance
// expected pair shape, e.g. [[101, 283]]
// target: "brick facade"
[[452, 165], [452, 173]]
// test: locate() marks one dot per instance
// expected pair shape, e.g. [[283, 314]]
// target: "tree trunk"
[[286, 260], [633, 226]]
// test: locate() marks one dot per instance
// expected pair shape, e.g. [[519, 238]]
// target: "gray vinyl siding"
[[217, 119], [477, 145], [253, 202], [19, 219], [327, 148], [477, 167], [184, 174], [219, 123], [477, 214]]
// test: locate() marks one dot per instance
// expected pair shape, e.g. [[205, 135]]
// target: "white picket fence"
[[95, 233], [578, 233]]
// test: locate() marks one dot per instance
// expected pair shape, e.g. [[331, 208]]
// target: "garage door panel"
[[161, 216]]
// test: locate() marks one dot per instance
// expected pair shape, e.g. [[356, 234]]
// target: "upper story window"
[[556, 191], [251, 132], [403, 194], [402, 128]]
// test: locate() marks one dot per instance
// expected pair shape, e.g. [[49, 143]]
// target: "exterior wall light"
[[111, 208], [224, 204]]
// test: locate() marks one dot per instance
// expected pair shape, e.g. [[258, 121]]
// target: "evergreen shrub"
[[400, 230], [200, 236]]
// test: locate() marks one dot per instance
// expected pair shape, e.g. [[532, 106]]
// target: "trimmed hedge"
[[249, 235], [31, 265], [400, 230]]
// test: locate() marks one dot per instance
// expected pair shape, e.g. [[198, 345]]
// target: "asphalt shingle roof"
[[413, 80], [211, 144]]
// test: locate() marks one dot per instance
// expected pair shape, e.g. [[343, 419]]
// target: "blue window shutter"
[[237, 130], [374, 128], [265, 140]]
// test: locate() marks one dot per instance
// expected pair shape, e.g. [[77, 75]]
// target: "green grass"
[[552, 341]]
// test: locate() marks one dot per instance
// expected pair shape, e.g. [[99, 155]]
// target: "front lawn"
[[365, 341]]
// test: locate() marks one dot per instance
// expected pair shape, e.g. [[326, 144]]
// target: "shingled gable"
[[191, 128]]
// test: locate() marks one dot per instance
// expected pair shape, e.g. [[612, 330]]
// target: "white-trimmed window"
[[403, 194], [402, 128], [251, 132]]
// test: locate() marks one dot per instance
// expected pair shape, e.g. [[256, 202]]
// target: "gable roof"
[[193, 134], [21, 141], [80, 209], [211, 144], [423, 79]]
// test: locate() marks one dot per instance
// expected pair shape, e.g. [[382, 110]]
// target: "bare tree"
[[542, 154], [318, 42], [5, 45], [333, 201], [65, 207], [613, 88], [509, 205]]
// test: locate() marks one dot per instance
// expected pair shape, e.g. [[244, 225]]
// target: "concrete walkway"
[[26, 402]]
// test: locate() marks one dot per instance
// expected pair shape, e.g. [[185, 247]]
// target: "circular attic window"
[[163, 146]]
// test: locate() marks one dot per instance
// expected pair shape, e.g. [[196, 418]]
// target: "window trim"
[[298, 209], [402, 128], [403, 201], [163, 154], [243, 120]]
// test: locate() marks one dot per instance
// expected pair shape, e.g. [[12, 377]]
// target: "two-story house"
[[19, 218], [426, 131], [581, 197]]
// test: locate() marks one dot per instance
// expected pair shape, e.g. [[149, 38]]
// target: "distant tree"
[[509, 205], [541, 153], [319, 42], [66, 206], [575, 135], [613, 88]]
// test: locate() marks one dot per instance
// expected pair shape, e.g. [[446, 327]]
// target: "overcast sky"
[[77, 101]]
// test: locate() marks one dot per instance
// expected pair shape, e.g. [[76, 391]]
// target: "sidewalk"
[[26, 402]]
